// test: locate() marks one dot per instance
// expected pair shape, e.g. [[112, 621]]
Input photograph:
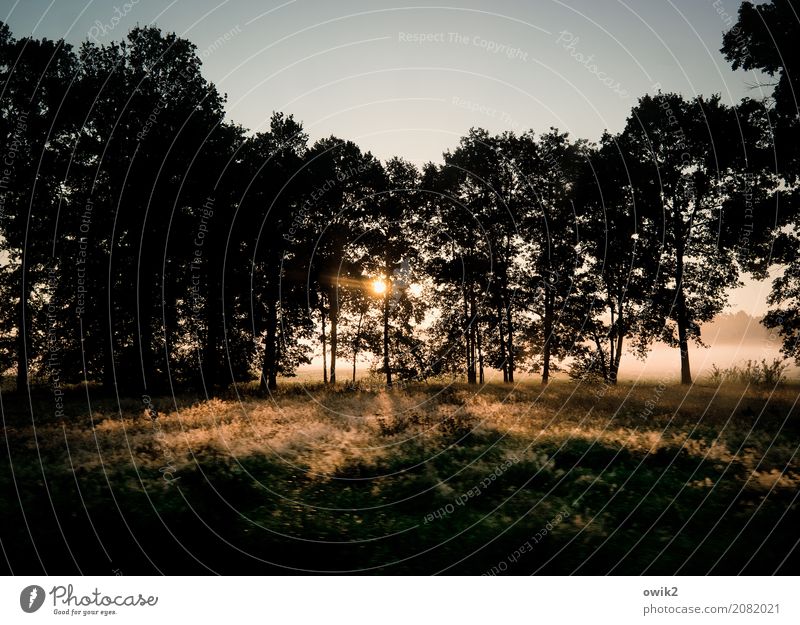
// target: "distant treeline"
[[148, 244], [738, 329]]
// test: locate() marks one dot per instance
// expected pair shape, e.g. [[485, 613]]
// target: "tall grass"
[[324, 479], [752, 372]]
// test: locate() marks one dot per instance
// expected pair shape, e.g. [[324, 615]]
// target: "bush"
[[752, 372], [586, 367]]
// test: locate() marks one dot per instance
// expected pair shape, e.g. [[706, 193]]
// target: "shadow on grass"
[[455, 494]]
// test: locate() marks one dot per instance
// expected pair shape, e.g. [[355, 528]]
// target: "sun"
[[379, 286]]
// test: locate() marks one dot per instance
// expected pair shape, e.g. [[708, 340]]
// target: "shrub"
[[585, 367], [752, 372]]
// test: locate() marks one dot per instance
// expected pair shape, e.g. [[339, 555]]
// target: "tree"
[[764, 39], [199, 263], [549, 167], [493, 184], [264, 242], [342, 181], [694, 188], [396, 262], [147, 150], [615, 243], [784, 296], [361, 330], [459, 256], [38, 128]]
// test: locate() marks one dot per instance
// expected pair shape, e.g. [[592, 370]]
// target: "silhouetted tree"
[[146, 152], [616, 245], [398, 216], [692, 186], [145, 241], [493, 185], [765, 39], [550, 166], [343, 182], [459, 259], [38, 126], [266, 238]]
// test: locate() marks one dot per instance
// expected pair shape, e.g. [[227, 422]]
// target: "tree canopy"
[[149, 243]]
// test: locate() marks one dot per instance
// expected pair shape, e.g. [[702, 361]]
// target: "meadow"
[[650, 478]]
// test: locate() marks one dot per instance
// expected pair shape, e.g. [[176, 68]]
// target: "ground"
[[571, 478]]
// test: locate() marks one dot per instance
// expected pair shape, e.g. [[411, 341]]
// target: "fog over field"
[[730, 339]]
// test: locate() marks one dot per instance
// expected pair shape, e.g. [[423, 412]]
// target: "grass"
[[433, 478]]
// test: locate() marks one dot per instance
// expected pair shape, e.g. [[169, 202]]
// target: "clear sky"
[[409, 78]]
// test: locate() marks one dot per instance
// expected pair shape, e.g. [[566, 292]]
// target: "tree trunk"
[[683, 340], [210, 353], [467, 337], [324, 347], [143, 331], [480, 353], [503, 357], [615, 340], [510, 349], [23, 321], [334, 314], [171, 317], [680, 305], [269, 370], [548, 331], [614, 373], [387, 369], [106, 307], [601, 355], [357, 344], [472, 375]]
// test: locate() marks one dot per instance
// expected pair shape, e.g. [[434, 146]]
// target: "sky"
[[409, 78]]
